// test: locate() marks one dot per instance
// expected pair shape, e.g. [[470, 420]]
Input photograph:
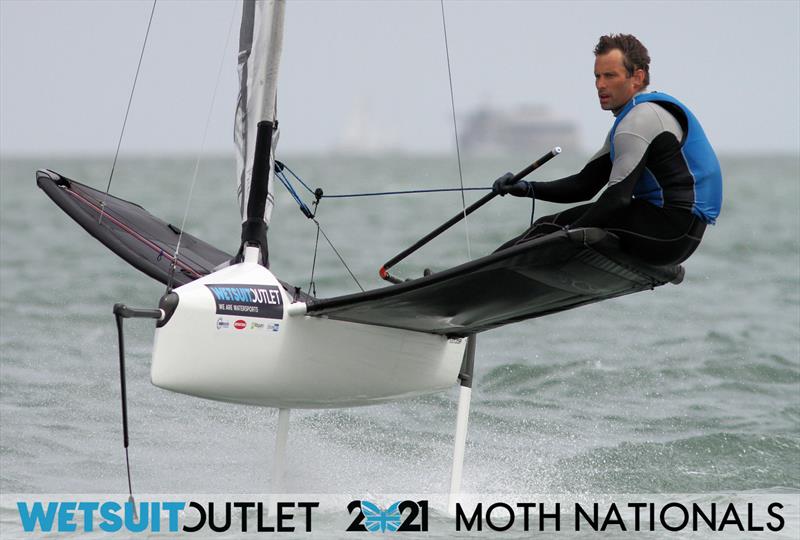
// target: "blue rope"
[[298, 178], [318, 195], [406, 192], [293, 193], [291, 189]]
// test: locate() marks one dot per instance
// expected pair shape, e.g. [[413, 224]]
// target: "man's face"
[[614, 87]]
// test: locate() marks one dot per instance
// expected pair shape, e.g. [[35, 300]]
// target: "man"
[[664, 183]]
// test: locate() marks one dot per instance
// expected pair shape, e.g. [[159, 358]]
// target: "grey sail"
[[260, 44]]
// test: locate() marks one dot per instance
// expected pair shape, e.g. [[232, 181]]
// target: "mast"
[[256, 126]]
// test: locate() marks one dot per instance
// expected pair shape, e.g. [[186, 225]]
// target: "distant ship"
[[363, 134], [527, 128]]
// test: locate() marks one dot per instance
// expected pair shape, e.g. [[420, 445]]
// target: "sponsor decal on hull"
[[241, 324], [262, 301]]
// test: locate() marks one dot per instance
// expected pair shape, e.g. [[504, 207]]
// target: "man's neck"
[[616, 112]]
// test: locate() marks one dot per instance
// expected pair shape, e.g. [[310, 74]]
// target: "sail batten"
[[260, 46]]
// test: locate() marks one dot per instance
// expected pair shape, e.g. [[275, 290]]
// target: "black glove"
[[506, 184]]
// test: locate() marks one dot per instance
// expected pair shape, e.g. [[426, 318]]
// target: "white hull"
[[294, 361]]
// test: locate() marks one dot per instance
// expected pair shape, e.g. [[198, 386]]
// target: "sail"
[[260, 44], [143, 240]]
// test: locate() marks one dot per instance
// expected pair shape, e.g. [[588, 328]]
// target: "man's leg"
[[548, 224], [660, 236]]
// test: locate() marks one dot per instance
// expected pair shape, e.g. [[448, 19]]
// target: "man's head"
[[621, 69]]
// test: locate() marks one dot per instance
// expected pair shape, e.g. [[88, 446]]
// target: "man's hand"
[[506, 184]]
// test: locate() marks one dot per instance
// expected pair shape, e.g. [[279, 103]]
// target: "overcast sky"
[[67, 69]]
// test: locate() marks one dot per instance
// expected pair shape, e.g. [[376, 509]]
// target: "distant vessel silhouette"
[[526, 128]]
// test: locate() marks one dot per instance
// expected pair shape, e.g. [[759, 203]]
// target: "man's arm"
[[615, 199], [632, 142], [578, 187]]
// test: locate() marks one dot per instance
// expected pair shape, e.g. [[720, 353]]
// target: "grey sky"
[[67, 67]]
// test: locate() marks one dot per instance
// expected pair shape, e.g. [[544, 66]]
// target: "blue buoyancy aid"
[[701, 162]]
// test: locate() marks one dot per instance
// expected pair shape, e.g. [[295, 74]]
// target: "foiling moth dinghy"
[[228, 329]]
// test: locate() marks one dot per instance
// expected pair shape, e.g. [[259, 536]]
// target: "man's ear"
[[638, 77]]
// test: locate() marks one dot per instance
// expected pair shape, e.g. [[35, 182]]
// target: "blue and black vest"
[[688, 176]]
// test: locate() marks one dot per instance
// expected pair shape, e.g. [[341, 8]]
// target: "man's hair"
[[634, 54]]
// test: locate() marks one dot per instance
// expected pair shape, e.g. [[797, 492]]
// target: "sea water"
[[686, 389]]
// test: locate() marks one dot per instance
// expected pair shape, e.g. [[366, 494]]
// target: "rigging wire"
[[127, 110], [290, 188], [280, 166], [280, 175], [312, 285], [455, 130], [404, 192], [325, 236], [200, 152]]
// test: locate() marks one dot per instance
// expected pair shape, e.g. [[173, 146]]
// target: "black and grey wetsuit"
[[663, 183]]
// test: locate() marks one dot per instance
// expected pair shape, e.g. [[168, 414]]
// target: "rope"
[[319, 228], [280, 167], [405, 192], [312, 216], [455, 129], [127, 110], [288, 185], [312, 286], [200, 153]]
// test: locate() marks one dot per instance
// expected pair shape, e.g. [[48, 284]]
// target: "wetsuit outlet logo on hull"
[[264, 301]]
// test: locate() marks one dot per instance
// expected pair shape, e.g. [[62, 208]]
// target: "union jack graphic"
[[376, 519]]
